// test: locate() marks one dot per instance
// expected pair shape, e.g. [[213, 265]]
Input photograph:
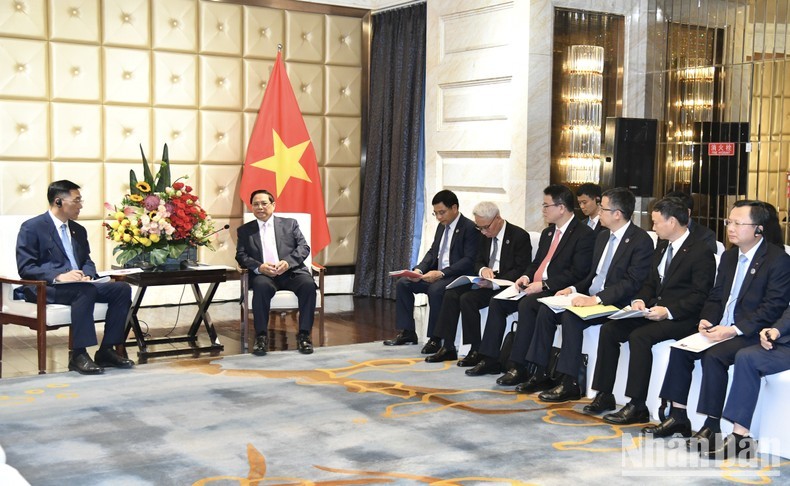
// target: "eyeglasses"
[[78, 200], [485, 228], [440, 213], [728, 222], [609, 209], [261, 204], [547, 206]]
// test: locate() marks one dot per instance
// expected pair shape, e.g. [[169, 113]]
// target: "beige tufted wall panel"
[[84, 83]]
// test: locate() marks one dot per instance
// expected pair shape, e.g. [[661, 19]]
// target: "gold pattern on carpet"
[[258, 470]]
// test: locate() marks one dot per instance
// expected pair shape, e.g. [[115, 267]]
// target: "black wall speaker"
[[629, 154]]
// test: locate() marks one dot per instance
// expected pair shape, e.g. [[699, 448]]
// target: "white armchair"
[[40, 316]]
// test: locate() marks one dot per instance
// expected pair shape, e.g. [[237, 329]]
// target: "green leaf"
[[163, 177], [133, 183], [149, 178], [176, 249], [159, 256]]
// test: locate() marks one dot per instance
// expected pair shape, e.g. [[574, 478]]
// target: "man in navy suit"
[[54, 247], [563, 257], [771, 356], [751, 292], [588, 195], [620, 264], [451, 255], [504, 254], [681, 275], [273, 250]]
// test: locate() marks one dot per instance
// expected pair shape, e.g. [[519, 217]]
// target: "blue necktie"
[[667, 261], [67, 246], [443, 247], [600, 277], [729, 309]]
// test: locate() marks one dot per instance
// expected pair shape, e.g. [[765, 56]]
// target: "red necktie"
[[545, 263]]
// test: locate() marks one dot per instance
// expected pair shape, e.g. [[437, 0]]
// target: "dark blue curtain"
[[394, 169]]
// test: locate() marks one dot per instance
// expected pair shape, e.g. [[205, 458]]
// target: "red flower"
[[178, 185]]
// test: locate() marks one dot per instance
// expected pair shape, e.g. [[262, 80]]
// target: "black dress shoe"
[[470, 359], [668, 428], [404, 337], [261, 345], [603, 402], [108, 358], [84, 365], [561, 393], [443, 354], [486, 366], [732, 447], [513, 377], [431, 347], [630, 414], [535, 383], [703, 440], [303, 343]]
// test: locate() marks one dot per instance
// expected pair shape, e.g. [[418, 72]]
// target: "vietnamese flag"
[[281, 158]]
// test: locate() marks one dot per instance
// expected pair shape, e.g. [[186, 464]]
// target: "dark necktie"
[[495, 247]]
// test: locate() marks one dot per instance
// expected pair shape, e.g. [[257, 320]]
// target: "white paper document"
[[119, 271], [628, 313], [510, 293], [696, 343], [558, 303], [95, 282]]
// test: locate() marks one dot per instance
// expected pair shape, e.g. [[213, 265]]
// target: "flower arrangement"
[[157, 219]]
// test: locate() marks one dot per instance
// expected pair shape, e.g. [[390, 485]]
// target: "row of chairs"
[[774, 394]]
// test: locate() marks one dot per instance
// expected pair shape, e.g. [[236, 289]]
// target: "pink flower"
[[151, 202]]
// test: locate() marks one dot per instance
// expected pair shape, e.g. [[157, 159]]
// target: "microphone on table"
[[191, 263]]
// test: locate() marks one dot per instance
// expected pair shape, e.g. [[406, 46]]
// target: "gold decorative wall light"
[[583, 97], [694, 103]]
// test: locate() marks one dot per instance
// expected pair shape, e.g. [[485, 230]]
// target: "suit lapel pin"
[[507, 242], [753, 271], [457, 230], [627, 240], [551, 233]]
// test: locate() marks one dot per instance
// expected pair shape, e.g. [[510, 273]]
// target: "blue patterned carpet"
[[360, 414]]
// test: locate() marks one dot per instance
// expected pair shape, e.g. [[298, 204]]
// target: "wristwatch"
[[598, 300], [545, 286]]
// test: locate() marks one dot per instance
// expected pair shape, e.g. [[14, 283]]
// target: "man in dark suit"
[[563, 257], [698, 232], [771, 356], [504, 254], [273, 249], [451, 255], [751, 292], [54, 247], [620, 264], [588, 195], [681, 276]]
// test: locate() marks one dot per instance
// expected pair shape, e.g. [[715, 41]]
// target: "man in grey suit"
[[273, 250]]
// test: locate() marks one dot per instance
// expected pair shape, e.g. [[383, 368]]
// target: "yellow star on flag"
[[285, 162]]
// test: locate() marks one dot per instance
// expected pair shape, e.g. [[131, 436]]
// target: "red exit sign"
[[721, 149]]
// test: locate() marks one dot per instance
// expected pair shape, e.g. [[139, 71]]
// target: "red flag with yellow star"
[[281, 158]]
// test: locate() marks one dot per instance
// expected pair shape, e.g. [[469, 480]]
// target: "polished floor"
[[348, 320]]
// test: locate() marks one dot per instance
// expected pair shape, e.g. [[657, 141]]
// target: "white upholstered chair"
[[40, 316], [284, 301]]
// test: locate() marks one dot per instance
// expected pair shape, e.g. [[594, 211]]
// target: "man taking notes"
[[451, 255], [504, 254]]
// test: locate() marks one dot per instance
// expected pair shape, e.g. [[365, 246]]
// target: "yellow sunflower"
[[137, 197], [143, 186]]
